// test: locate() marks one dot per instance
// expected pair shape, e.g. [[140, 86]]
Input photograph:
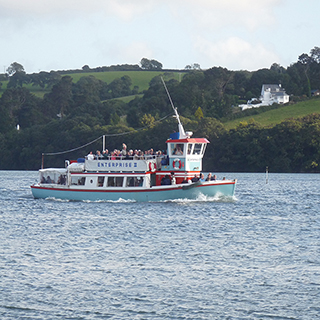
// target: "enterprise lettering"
[[117, 164]]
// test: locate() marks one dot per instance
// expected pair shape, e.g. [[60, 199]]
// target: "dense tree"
[[44, 79], [110, 107], [147, 64], [198, 114], [86, 68], [147, 120], [18, 79], [19, 106], [59, 100], [15, 67], [120, 87], [194, 66], [86, 90], [260, 77]]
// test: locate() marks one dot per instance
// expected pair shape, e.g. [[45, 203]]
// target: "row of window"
[[110, 181], [177, 149]]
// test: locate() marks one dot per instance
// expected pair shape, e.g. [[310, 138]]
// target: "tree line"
[[71, 114]]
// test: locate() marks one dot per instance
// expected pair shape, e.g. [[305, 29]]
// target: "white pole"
[[103, 143]]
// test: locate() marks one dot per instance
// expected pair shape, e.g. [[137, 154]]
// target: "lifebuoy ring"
[[152, 166], [176, 164]]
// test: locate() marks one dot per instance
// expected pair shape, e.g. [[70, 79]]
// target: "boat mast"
[[182, 133]]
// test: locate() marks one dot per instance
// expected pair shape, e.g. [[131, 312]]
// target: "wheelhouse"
[[186, 154]]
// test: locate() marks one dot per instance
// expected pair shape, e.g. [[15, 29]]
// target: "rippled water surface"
[[255, 256]]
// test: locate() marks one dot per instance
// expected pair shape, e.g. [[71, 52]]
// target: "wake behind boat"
[[152, 178]]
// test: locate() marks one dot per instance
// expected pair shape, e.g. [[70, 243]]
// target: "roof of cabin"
[[189, 140]]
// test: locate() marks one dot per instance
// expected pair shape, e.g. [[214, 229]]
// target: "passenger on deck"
[[49, 180], [166, 180], [214, 178], [90, 156], [136, 155], [209, 177], [158, 159], [98, 155], [124, 150], [114, 155], [195, 178], [202, 179], [141, 156], [185, 180], [147, 155], [62, 180], [129, 155], [173, 178], [105, 153]]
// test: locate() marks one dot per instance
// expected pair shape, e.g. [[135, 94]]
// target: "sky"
[[45, 35]]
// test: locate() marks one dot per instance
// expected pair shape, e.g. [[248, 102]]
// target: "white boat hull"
[[156, 193]]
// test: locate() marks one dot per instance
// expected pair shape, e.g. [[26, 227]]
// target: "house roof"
[[272, 87]]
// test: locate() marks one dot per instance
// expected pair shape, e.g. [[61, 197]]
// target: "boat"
[[153, 178]]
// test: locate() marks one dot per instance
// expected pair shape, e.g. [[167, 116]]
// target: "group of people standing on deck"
[[170, 179], [210, 177], [126, 154]]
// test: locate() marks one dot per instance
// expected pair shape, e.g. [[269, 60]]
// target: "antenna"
[[181, 129]]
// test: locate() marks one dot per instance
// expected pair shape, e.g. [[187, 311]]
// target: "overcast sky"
[[45, 35]]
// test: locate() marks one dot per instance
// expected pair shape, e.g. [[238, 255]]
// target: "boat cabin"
[[53, 176], [184, 157]]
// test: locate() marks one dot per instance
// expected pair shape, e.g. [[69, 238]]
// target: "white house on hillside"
[[270, 94]]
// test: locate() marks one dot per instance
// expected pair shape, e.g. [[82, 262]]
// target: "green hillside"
[[273, 117], [138, 78]]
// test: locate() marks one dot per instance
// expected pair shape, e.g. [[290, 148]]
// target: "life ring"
[[152, 166], [176, 164]]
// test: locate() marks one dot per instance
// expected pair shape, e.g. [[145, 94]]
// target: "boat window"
[[153, 179], [197, 148], [190, 145], [100, 181], [111, 181], [119, 181], [62, 179], [47, 179], [139, 182], [130, 182], [78, 181], [204, 148], [115, 181], [177, 149], [134, 182]]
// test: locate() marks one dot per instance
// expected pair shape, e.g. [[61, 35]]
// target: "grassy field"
[[138, 78], [36, 90], [273, 117]]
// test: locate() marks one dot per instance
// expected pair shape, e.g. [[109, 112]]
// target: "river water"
[[254, 256]]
